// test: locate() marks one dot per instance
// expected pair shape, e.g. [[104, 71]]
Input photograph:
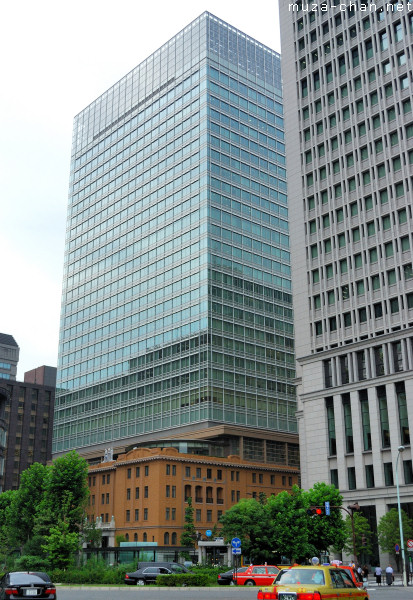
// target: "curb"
[[65, 586]]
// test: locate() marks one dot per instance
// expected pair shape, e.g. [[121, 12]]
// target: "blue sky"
[[57, 58]]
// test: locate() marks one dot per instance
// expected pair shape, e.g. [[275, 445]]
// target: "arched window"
[[145, 537], [166, 539], [127, 537], [174, 539], [135, 537]]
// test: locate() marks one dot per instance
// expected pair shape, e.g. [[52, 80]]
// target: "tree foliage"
[[6, 498], [279, 525], [61, 545], [50, 502], [92, 535], [65, 493], [188, 536], [290, 524], [250, 521], [362, 531], [21, 514], [388, 531], [329, 530]]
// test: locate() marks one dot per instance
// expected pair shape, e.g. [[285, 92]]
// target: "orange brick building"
[[142, 494]]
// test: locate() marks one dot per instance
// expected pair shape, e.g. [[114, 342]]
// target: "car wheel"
[[250, 582], [140, 582]]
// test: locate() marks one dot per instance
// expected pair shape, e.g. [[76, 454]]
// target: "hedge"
[[185, 579]]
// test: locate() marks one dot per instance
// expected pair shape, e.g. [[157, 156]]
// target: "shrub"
[[29, 562], [186, 579], [90, 574]]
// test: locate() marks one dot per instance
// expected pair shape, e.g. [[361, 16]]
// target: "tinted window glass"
[[25, 578]]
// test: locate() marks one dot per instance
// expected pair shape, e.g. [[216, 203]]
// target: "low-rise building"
[[143, 494]]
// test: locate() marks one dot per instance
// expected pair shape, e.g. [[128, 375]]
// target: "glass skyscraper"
[[177, 309]]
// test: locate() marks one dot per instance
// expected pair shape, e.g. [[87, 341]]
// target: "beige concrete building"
[[347, 73]]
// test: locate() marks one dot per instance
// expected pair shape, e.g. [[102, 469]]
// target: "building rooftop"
[[8, 340]]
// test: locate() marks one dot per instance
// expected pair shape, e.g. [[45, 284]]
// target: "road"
[[221, 593]]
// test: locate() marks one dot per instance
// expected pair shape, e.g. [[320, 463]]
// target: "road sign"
[[410, 545], [236, 543], [397, 547], [327, 507], [208, 533], [236, 551]]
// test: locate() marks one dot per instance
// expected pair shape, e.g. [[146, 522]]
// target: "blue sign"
[[236, 551], [236, 543], [327, 507], [397, 547], [208, 533]]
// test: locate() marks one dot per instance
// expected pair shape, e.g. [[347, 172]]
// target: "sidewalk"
[[398, 582]]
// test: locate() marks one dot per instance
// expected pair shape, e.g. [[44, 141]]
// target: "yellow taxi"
[[315, 582]]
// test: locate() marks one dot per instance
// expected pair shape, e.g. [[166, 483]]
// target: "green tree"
[[325, 531], [188, 536], [388, 531], [65, 494], [61, 545], [250, 521], [6, 498], [362, 532], [280, 525], [289, 524], [91, 534], [120, 538], [22, 511]]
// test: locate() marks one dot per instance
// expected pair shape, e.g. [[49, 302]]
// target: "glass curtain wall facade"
[[177, 307], [348, 92]]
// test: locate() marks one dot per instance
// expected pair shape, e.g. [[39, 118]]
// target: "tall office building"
[[26, 426], [347, 73], [177, 308]]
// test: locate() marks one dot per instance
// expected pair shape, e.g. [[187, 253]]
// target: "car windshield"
[[27, 578], [291, 576]]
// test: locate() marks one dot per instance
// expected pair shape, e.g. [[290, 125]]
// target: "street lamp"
[[400, 449]]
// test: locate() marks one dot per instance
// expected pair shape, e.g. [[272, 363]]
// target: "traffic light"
[[314, 510]]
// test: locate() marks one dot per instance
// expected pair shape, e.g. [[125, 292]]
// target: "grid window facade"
[[177, 305]]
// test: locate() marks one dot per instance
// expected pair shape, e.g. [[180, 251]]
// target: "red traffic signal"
[[314, 510]]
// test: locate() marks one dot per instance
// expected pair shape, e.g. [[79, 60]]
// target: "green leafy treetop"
[[188, 536], [326, 531], [388, 530], [250, 521], [362, 533], [289, 524], [279, 525], [65, 493], [25, 504]]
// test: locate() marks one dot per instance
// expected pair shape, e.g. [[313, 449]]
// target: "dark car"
[[227, 577], [146, 575], [172, 566], [27, 584]]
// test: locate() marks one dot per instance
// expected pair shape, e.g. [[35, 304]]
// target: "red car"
[[353, 574], [256, 575]]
